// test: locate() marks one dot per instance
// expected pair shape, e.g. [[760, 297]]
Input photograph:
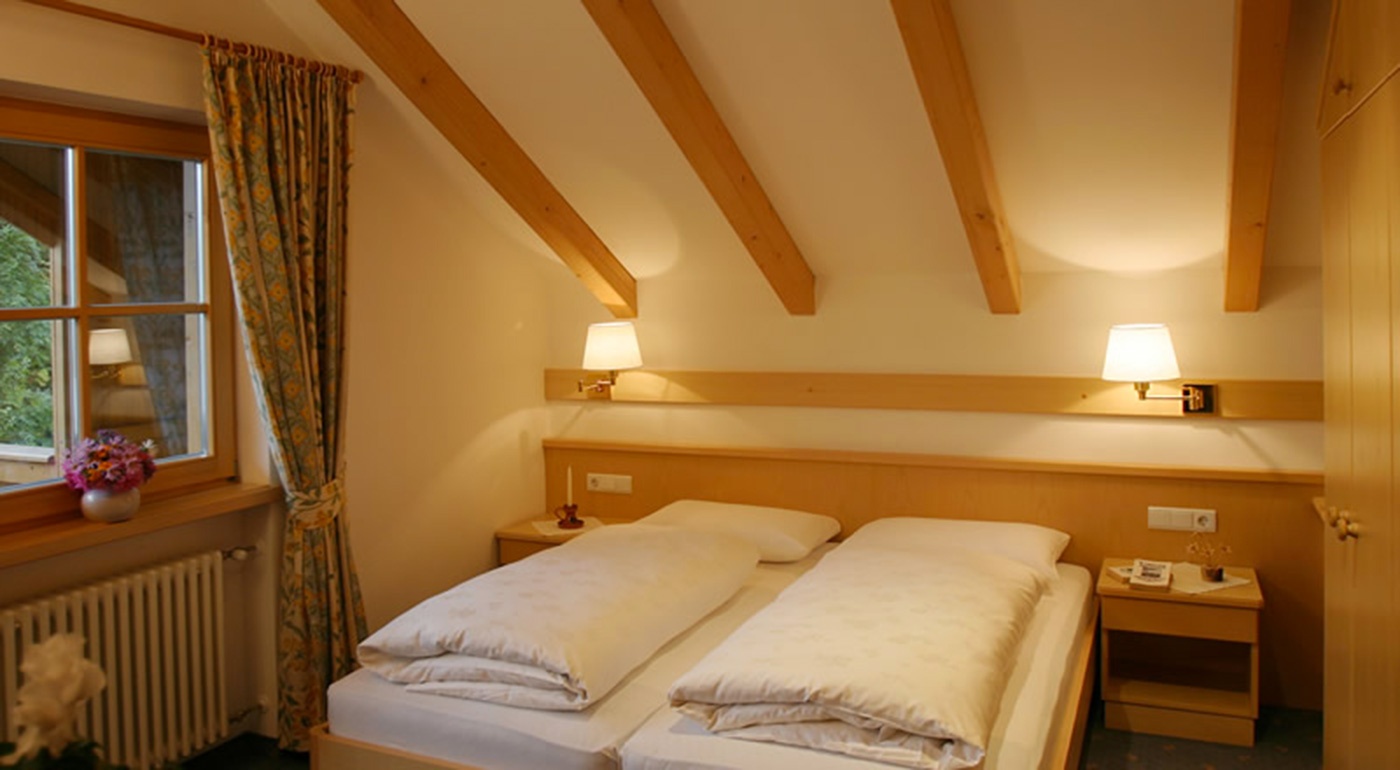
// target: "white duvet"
[[893, 655], [558, 630]]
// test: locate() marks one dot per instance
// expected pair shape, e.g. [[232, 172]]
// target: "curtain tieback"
[[317, 508]]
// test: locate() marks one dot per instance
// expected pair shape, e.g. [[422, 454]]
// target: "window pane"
[[33, 218], [143, 229], [147, 380], [32, 411]]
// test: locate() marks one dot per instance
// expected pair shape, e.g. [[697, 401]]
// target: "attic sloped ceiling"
[[400, 49], [1108, 125], [1125, 138], [644, 44], [1112, 130]]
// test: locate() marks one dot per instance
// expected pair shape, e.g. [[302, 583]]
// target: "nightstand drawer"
[[1173, 619]]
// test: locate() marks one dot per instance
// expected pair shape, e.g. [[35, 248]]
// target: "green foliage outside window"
[[26, 347]]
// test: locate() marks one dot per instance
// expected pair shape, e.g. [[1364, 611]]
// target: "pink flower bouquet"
[[111, 462]]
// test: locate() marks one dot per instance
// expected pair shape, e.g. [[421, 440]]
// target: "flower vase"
[[1212, 574], [109, 506]]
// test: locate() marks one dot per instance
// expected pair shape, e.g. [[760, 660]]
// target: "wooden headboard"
[[1265, 516]]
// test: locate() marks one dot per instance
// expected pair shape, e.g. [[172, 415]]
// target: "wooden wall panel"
[[1266, 518]]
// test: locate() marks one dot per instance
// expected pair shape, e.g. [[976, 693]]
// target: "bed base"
[[1067, 737], [334, 752]]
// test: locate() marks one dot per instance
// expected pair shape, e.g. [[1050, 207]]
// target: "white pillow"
[[1031, 544], [779, 533]]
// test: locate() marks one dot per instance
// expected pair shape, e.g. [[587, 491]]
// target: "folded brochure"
[[1150, 575], [1186, 578]]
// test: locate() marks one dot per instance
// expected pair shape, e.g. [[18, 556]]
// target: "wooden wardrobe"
[[1360, 125]]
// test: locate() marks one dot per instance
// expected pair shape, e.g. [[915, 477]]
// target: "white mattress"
[[669, 741], [366, 707]]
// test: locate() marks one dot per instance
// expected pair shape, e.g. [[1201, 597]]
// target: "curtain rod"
[[101, 14], [117, 18]]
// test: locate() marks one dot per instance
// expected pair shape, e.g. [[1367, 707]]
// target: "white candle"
[[569, 487]]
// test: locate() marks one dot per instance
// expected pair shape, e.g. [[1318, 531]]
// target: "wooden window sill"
[[73, 533]]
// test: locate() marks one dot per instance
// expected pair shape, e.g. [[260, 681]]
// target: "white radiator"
[[158, 634]]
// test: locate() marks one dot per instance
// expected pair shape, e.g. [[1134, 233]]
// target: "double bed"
[[1038, 714]]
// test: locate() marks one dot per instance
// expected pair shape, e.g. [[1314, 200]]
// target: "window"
[[115, 308]]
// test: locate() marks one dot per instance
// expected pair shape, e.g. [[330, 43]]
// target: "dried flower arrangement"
[[1208, 554]]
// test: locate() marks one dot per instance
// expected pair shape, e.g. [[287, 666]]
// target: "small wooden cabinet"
[[1179, 664], [521, 539]]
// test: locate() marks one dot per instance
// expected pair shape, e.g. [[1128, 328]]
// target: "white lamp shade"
[[611, 346], [1140, 353], [108, 346]]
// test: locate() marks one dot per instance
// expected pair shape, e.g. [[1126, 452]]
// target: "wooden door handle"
[[1337, 520], [1346, 527]]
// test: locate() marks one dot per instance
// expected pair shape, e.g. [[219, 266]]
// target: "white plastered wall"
[[875, 314], [923, 324], [445, 339]]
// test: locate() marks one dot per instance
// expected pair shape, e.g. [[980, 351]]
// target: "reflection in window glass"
[[111, 315], [30, 389], [147, 381], [142, 236], [33, 215]]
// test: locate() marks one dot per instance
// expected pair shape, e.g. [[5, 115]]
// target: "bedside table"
[[518, 540], [1179, 664]]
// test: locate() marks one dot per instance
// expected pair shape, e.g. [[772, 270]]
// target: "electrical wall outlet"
[[1203, 521], [610, 483], [1181, 519]]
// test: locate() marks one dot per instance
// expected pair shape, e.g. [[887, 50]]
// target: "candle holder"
[[568, 517]]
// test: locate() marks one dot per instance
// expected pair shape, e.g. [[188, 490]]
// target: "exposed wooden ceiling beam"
[[644, 44], [1261, 44], [39, 212], [31, 206], [935, 52], [390, 38]]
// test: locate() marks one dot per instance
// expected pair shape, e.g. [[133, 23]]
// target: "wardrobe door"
[[1338, 683], [1363, 47], [1362, 316]]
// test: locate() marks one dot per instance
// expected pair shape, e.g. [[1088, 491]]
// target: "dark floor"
[[1286, 740], [249, 752]]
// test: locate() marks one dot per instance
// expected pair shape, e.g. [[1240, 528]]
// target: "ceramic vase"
[[1212, 574], [108, 506]]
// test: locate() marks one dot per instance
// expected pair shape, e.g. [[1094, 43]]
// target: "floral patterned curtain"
[[150, 234], [280, 128]]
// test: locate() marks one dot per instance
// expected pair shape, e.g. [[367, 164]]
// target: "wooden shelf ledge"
[[1204, 700], [73, 533], [1235, 399]]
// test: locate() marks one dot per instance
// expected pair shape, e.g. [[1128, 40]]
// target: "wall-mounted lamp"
[[610, 347], [108, 351], [1142, 354]]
